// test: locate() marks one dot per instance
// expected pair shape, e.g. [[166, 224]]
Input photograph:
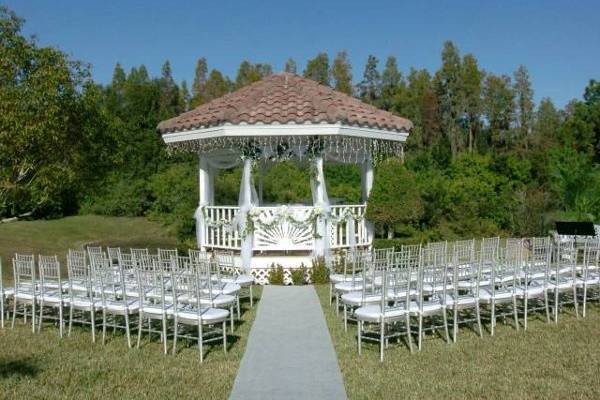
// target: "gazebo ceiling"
[[285, 99]]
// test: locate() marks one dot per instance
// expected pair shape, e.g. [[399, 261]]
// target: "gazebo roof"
[[285, 99]]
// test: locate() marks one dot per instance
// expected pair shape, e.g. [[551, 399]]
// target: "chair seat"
[[373, 313], [499, 294], [429, 288], [534, 289], [209, 315], [117, 306], [50, 298], [83, 303], [228, 288], [25, 295], [460, 301], [241, 280], [346, 287], [592, 279], [338, 278], [429, 307], [155, 309], [561, 284], [8, 292], [220, 300], [356, 299]]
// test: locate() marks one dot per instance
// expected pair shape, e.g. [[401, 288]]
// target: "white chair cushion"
[[83, 303], [337, 278], [209, 315], [499, 294], [356, 298], [346, 287], [460, 300], [121, 307], [429, 307], [372, 313], [241, 280]]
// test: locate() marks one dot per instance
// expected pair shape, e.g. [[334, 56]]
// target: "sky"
[[558, 41]]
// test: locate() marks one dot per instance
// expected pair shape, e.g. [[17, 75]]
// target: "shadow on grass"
[[19, 368]]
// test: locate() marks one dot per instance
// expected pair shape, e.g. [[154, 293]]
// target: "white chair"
[[152, 278], [563, 276], [532, 283], [353, 264], [114, 254], [589, 277], [113, 295], [81, 300], [226, 264], [187, 285], [6, 294], [26, 291], [499, 288], [396, 279], [432, 286], [464, 295], [51, 289]]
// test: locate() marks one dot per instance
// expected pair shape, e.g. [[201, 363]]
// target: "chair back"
[[433, 275], [24, 273], [50, 281], [80, 274]]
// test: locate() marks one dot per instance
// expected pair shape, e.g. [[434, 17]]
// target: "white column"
[[320, 200], [366, 183], [246, 203], [204, 199]]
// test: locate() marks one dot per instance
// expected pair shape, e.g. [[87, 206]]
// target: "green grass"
[[56, 237], [42, 366], [547, 362]]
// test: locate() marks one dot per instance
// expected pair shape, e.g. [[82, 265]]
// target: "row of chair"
[[391, 289], [171, 295]]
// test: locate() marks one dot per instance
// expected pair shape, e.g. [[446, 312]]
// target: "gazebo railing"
[[289, 228]]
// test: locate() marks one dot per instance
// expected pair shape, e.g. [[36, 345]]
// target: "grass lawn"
[[548, 361], [42, 366], [59, 235]]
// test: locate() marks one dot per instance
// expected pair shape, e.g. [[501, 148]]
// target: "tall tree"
[[290, 66], [185, 96], [249, 73], [546, 125], [200, 78], [499, 108], [448, 86], [369, 88], [169, 100], [471, 87], [216, 86], [391, 80], [341, 72], [524, 104], [317, 69]]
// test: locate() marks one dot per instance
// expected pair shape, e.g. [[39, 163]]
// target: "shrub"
[[320, 272], [276, 274], [298, 275]]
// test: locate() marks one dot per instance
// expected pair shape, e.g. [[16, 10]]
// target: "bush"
[[320, 272], [298, 275], [276, 274]]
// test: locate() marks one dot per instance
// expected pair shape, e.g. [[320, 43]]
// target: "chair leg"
[[575, 301], [556, 304], [71, 321], [493, 321], [41, 317], [200, 344], [420, 330], [345, 318], [12, 325], [103, 327], [239, 314], [93, 322], [381, 339], [359, 336], [408, 333], [455, 324], [337, 304], [164, 332], [225, 337], [547, 306], [525, 300], [127, 329], [330, 293], [478, 316], [60, 320], [446, 332], [583, 305], [2, 310], [231, 314], [175, 336], [33, 316], [515, 313], [139, 335]]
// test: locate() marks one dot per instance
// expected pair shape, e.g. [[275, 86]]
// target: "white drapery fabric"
[[205, 198], [366, 184], [247, 200], [320, 201]]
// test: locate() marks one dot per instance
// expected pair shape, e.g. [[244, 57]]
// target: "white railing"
[[290, 228]]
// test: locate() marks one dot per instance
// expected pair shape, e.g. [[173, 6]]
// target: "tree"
[[592, 92], [317, 69], [448, 86], [184, 96], [546, 125], [341, 72], [524, 104], [395, 198], [471, 88], [216, 85], [200, 78], [369, 88], [169, 100], [290, 66], [249, 73], [391, 81], [499, 108]]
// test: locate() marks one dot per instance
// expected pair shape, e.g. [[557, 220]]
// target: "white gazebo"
[[283, 117]]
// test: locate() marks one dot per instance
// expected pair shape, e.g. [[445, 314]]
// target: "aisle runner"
[[289, 353]]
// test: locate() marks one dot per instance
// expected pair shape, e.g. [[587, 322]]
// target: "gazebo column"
[[246, 203], [205, 198], [366, 184], [320, 200]]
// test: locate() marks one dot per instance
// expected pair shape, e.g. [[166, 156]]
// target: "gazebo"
[[283, 117]]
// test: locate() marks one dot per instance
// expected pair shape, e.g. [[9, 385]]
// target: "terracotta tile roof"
[[285, 98]]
